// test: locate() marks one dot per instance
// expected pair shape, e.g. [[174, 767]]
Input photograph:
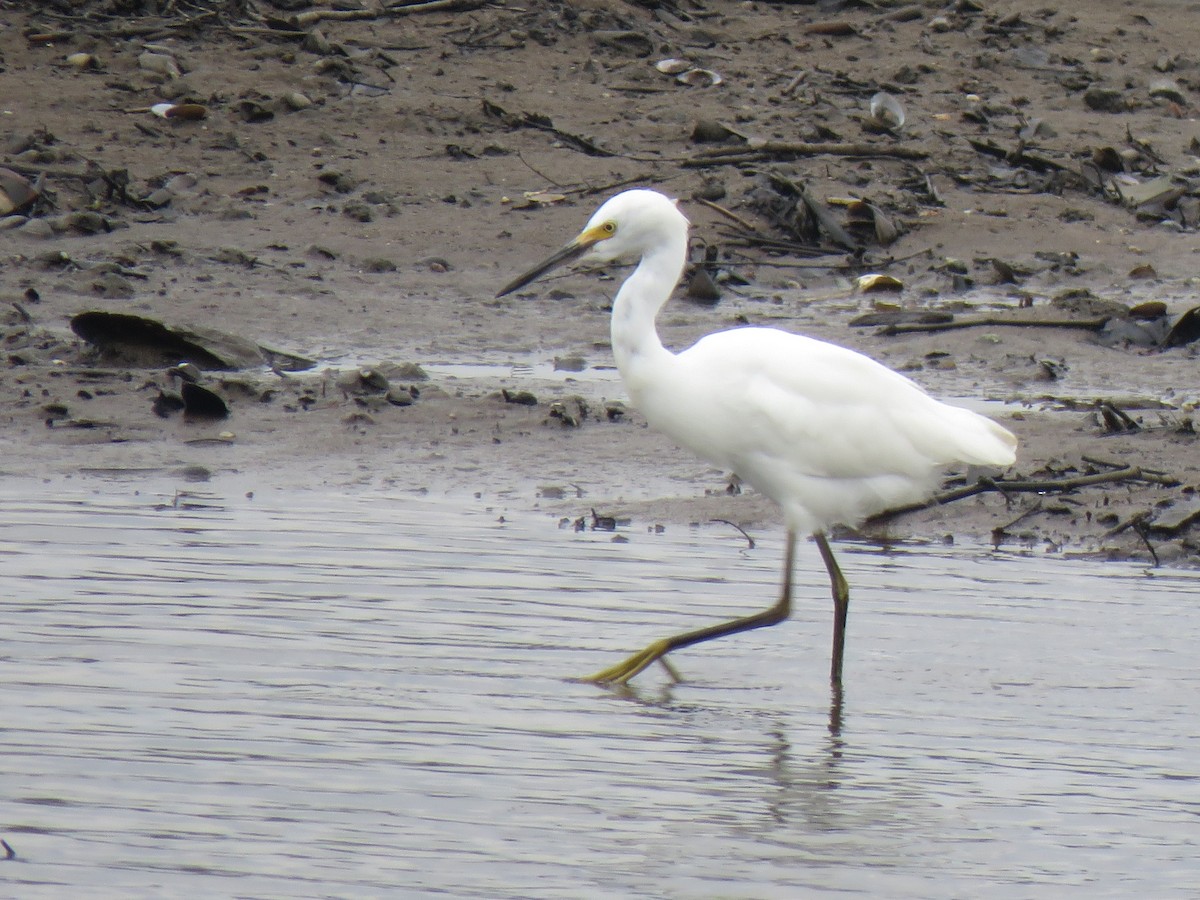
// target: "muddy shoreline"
[[371, 227]]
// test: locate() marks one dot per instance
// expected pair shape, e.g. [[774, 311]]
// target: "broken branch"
[[314, 16], [1039, 486], [720, 156], [992, 322]]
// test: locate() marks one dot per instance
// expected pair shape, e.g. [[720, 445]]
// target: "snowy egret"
[[829, 434]]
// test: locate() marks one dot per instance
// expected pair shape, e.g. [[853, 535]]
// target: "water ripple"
[[308, 695]]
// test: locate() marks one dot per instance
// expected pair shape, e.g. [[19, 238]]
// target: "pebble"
[[159, 64], [1105, 100], [1167, 89], [38, 228], [110, 284], [296, 101]]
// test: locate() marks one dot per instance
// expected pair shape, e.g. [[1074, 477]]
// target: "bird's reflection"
[[663, 697], [796, 785], [835, 713], [801, 784]]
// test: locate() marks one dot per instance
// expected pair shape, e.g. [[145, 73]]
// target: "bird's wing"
[[827, 411]]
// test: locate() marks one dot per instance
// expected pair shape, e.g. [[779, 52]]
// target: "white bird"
[[827, 433]]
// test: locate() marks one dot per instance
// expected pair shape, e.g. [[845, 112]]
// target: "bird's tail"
[[980, 441]]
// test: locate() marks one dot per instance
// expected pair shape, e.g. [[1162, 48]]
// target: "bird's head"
[[627, 225]]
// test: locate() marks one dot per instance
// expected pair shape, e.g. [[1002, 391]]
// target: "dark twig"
[[1131, 522], [590, 190], [9, 852], [729, 214], [1001, 529], [720, 156], [993, 322], [749, 540], [543, 123], [1040, 486], [1157, 476], [535, 171], [1116, 421], [312, 17], [1142, 531]]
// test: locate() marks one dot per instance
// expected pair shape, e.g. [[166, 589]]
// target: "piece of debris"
[[571, 411], [140, 341]]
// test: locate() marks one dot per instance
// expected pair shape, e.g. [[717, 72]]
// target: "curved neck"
[[635, 340]]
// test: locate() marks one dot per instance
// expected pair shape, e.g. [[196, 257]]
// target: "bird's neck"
[[635, 342]]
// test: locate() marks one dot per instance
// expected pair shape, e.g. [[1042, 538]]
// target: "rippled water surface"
[[311, 695]]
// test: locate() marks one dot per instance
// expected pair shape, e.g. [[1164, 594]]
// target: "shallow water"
[[308, 695]]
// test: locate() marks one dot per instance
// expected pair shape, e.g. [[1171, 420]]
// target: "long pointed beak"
[[570, 252]]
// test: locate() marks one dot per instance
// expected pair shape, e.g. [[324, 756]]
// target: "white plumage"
[[827, 433]]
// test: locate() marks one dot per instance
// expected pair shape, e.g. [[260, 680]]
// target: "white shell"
[[876, 282], [887, 111], [672, 66], [699, 78]]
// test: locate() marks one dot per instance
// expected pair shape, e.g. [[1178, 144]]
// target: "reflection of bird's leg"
[[624, 671], [841, 606], [835, 709]]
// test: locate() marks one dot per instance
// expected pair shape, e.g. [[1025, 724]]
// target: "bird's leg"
[[622, 672], [671, 670], [841, 606]]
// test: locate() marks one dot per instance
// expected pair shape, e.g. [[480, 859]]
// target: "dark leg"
[[624, 671], [841, 606]]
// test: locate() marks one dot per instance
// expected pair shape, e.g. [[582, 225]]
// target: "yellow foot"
[[622, 672]]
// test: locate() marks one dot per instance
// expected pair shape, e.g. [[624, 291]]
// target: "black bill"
[[572, 251]]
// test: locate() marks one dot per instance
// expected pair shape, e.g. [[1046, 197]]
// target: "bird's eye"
[[609, 227]]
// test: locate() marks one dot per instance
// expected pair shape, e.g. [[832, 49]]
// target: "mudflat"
[[351, 186]]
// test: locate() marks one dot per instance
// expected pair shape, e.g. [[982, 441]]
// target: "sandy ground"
[[358, 189]]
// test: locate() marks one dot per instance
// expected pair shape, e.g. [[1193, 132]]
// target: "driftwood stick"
[[992, 322], [313, 16], [749, 540], [1000, 529], [1039, 486], [1156, 476], [729, 214], [161, 26], [718, 156], [53, 172]]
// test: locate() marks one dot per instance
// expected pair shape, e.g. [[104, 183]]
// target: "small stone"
[[401, 397], [710, 131], [569, 364], [254, 112], [159, 64], [88, 222], [39, 228], [296, 101], [358, 211], [1165, 63], [339, 181], [1108, 100], [571, 411], [1167, 89], [110, 284], [363, 381], [520, 398], [407, 372]]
